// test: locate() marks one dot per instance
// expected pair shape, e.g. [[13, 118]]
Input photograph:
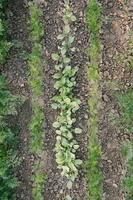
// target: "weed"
[[94, 174], [66, 103], [36, 85]]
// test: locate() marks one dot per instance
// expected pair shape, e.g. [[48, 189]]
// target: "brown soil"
[[116, 26], [115, 40]]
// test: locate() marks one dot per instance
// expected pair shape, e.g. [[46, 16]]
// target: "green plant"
[[128, 180], [39, 179], [4, 44], [36, 85], [94, 174], [8, 140], [65, 102], [8, 144], [125, 101]]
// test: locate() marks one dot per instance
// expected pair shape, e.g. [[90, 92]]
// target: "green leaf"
[[56, 124], [73, 49], [66, 60], [55, 56], [71, 39], [63, 51], [54, 106], [57, 76], [69, 185], [58, 67], [69, 135], [65, 170], [57, 85], [78, 130], [58, 132], [67, 100], [65, 142], [73, 18], [68, 197], [67, 29], [76, 147], [60, 37], [58, 138], [78, 162]]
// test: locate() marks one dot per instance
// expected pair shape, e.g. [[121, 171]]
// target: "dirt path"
[[115, 37], [16, 71]]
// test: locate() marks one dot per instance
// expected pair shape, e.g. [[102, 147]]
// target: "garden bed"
[[115, 79]]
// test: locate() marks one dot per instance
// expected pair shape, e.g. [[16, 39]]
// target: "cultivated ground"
[[116, 77]]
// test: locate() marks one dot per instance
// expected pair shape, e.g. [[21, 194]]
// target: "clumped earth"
[[117, 22]]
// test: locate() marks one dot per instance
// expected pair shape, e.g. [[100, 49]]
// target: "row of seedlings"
[[8, 137], [36, 86], [94, 174], [66, 103]]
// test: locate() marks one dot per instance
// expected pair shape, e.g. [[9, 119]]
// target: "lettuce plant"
[[65, 102]]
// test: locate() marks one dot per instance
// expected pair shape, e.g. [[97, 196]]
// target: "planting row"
[[94, 174], [64, 102], [8, 135], [36, 86]]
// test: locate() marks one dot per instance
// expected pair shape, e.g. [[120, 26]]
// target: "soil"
[[117, 22], [115, 36]]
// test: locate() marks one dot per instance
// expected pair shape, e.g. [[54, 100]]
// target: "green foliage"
[[8, 152], [93, 17], [94, 174], [125, 101], [128, 181], [36, 26], [36, 71], [36, 85], [66, 103], [36, 128], [3, 3], [39, 180], [8, 155], [4, 44]]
